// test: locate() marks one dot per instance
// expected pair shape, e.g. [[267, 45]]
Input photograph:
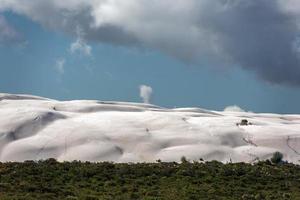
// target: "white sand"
[[33, 128]]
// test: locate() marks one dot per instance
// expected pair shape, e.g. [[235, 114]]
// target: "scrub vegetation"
[[50, 179]]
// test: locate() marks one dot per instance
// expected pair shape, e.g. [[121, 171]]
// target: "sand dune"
[[33, 128]]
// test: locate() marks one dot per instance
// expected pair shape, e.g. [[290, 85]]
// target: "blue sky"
[[115, 72]]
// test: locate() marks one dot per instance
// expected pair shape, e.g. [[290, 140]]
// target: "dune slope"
[[33, 128]]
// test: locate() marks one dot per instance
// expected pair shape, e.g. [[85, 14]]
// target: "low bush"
[[50, 179], [277, 157]]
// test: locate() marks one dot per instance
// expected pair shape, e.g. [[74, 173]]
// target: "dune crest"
[[33, 128]]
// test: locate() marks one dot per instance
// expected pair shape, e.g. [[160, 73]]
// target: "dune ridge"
[[33, 128]]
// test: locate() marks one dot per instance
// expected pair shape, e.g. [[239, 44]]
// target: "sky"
[[183, 53]]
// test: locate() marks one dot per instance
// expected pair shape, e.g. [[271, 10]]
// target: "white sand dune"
[[33, 128]]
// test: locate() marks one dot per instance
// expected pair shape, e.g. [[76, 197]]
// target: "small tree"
[[183, 159], [244, 122], [277, 157], [51, 161]]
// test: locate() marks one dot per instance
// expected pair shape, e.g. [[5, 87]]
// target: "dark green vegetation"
[[210, 180], [277, 157]]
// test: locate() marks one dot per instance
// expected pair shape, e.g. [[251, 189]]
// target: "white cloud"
[[145, 93], [233, 108], [257, 35], [81, 47], [60, 65], [80, 44]]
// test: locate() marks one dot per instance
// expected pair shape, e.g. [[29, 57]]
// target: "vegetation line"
[[50, 179]]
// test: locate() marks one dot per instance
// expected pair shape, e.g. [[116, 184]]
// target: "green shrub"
[[244, 122], [183, 159], [149, 181], [277, 157]]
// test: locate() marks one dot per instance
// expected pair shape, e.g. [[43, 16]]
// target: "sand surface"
[[33, 128]]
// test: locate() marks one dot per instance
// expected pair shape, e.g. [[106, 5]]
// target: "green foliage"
[[50, 179], [277, 157], [244, 122], [183, 159]]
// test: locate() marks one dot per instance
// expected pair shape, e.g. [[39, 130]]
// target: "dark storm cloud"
[[259, 36]]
